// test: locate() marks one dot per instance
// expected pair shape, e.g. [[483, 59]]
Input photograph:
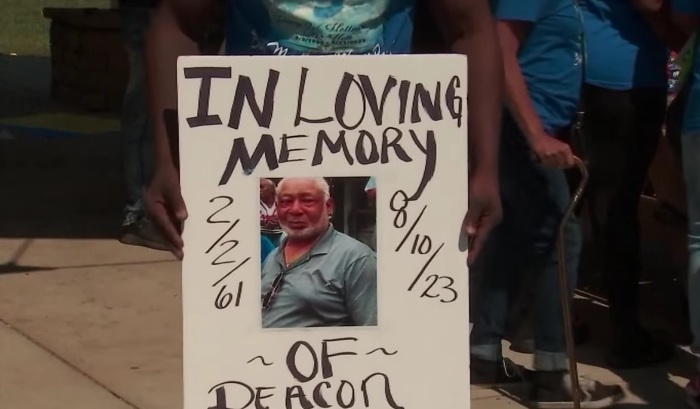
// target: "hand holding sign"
[[164, 204], [484, 212]]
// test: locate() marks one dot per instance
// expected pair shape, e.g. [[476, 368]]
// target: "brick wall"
[[89, 64]]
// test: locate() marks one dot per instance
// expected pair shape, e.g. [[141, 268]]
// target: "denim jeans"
[[523, 247], [136, 134], [691, 171]]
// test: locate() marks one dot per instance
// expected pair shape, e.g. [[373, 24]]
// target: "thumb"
[[471, 221], [569, 158], [477, 240], [178, 205]]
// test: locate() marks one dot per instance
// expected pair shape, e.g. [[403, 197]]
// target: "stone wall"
[[89, 64]]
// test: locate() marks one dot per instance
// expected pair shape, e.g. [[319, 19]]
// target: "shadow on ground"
[[25, 82], [14, 264], [67, 187], [652, 385], [61, 187], [662, 308]]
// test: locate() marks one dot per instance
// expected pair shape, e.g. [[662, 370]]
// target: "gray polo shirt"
[[334, 284]]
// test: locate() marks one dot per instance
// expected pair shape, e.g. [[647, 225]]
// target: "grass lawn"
[[23, 28]]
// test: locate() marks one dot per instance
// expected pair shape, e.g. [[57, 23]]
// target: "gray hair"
[[320, 183]]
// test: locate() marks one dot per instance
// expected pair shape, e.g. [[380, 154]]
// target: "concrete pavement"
[[33, 378], [97, 324], [113, 313]]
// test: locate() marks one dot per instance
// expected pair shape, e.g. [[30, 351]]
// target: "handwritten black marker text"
[[414, 104], [421, 244], [225, 246], [316, 387]]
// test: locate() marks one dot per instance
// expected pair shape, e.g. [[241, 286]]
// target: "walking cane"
[[566, 299]]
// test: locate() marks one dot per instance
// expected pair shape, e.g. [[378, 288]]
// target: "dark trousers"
[[137, 139], [621, 131], [521, 252]]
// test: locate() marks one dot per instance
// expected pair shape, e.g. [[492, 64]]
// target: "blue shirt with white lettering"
[[550, 57], [622, 49], [691, 117], [294, 27]]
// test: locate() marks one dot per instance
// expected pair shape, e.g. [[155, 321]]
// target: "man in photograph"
[[318, 276]]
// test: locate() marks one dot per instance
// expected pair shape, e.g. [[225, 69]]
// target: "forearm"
[[518, 98], [664, 28], [485, 95], [468, 28], [165, 42]]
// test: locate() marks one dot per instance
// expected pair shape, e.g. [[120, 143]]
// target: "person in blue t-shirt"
[[624, 99], [266, 247], [542, 47], [286, 27], [687, 16]]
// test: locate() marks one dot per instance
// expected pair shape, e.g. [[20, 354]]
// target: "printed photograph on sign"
[[325, 199], [317, 240]]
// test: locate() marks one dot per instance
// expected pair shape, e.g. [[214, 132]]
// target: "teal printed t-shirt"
[[550, 57], [298, 27], [691, 117], [622, 49], [266, 247]]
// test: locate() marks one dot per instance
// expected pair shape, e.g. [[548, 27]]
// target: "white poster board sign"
[[352, 327]]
